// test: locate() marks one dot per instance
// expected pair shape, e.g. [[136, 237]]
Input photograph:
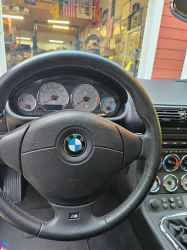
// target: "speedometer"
[[85, 98], [53, 96]]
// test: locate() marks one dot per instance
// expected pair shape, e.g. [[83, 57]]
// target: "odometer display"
[[53, 96], [85, 98]]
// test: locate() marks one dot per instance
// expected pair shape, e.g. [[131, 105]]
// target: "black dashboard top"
[[168, 93]]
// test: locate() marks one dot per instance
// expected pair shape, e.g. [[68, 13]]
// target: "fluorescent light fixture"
[[24, 38], [58, 21], [55, 41], [61, 27], [10, 16]]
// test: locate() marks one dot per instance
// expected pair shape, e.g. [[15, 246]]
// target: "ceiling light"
[[61, 27], [24, 38], [55, 41], [58, 21], [10, 16]]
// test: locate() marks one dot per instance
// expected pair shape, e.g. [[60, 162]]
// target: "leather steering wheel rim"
[[78, 63]]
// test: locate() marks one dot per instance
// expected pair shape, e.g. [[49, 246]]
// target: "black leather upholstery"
[[84, 64]]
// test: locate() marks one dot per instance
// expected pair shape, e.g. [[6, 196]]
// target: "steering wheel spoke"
[[132, 146], [10, 148]]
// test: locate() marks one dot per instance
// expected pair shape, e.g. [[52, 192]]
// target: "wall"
[[43, 40], [171, 47]]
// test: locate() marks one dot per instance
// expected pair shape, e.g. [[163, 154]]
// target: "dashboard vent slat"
[[172, 118]]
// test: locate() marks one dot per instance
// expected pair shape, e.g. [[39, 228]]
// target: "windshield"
[[123, 31]]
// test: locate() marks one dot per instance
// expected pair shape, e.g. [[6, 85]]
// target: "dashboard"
[[51, 94]]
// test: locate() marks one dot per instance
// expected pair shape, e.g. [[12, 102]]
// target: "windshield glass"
[[114, 29]]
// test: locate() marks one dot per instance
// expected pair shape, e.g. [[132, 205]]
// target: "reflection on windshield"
[[109, 28]]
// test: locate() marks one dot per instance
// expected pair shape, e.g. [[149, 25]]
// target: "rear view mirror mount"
[[179, 9]]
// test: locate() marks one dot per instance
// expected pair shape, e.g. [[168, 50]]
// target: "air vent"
[[172, 118]]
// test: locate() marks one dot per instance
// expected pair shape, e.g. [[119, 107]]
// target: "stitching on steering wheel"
[[130, 195], [135, 189], [27, 214]]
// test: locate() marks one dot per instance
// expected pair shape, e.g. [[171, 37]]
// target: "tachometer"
[[53, 96], [85, 98], [26, 102]]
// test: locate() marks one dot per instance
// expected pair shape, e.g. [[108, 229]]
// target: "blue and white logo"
[[75, 145]]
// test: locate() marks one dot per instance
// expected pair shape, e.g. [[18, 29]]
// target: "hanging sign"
[[109, 22], [55, 9], [84, 9], [113, 8], [31, 2], [97, 14], [135, 9]]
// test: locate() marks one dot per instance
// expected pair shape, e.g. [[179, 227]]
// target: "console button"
[[171, 199], [173, 205], [179, 202], [155, 204], [164, 200], [165, 205]]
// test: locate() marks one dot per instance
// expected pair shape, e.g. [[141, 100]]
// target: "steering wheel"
[[72, 157]]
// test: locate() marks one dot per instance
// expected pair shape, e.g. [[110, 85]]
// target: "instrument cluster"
[[55, 94]]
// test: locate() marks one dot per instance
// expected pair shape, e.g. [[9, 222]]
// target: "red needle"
[[25, 105], [50, 99], [106, 107], [82, 100]]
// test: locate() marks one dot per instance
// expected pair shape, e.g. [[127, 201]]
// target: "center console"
[[168, 195]]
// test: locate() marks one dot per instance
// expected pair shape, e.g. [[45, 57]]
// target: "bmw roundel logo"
[[75, 145]]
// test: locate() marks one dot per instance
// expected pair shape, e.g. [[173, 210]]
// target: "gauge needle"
[[86, 98], [107, 107], [25, 105], [50, 99]]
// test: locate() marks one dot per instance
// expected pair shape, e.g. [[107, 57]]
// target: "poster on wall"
[[31, 2], [135, 9], [104, 18], [84, 9], [112, 43], [125, 11], [117, 26], [109, 21], [133, 41]]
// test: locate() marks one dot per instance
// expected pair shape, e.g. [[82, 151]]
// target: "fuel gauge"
[[26, 102], [108, 104]]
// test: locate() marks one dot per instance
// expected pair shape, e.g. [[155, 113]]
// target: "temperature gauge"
[[26, 102], [170, 183], [156, 185], [184, 182], [171, 163], [108, 104]]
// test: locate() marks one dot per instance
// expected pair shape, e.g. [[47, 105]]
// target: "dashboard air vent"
[[172, 118]]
